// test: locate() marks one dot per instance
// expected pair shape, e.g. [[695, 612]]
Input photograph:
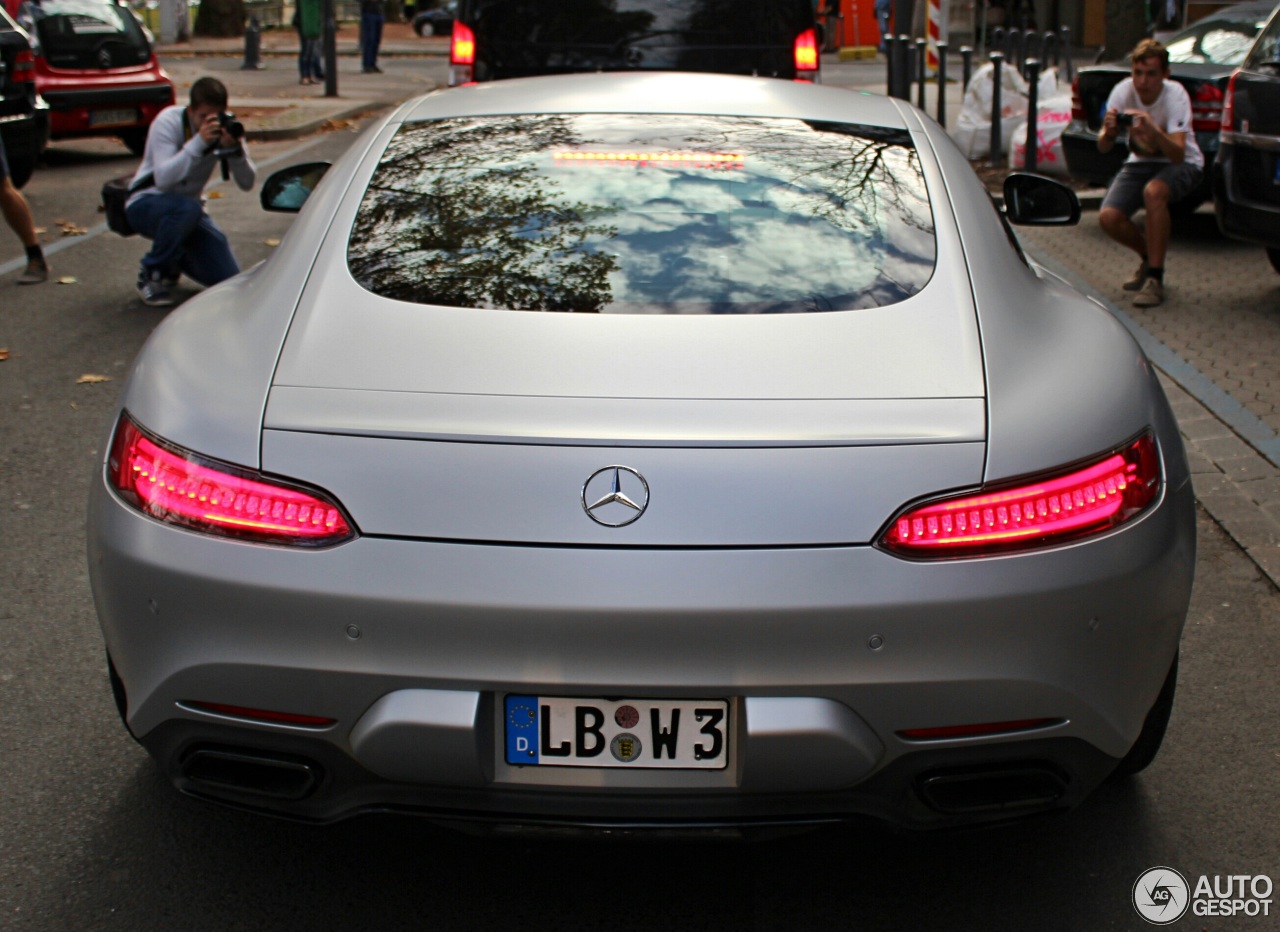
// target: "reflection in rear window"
[[630, 214], [87, 33]]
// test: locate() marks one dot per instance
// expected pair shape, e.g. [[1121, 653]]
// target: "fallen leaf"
[[68, 280], [90, 379], [4, 353], [42, 230], [74, 406], [272, 242], [214, 195]]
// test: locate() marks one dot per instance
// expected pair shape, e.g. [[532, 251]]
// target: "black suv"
[[495, 39], [1246, 176], [24, 117]]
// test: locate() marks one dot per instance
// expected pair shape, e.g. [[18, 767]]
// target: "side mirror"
[[288, 189], [1033, 200]]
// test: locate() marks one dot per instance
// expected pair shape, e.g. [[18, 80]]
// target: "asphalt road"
[[91, 838]]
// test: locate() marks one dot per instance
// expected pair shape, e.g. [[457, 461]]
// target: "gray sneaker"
[[1152, 294], [1139, 278], [37, 272], [153, 292]]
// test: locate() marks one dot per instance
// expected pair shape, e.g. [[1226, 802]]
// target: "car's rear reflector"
[[1060, 507], [1229, 105], [806, 51], [179, 487], [462, 47], [1077, 105], [24, 66], [1206, 108], [975, 731], [262, 715]]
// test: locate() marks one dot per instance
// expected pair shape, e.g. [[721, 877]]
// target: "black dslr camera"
[[231, 126], [1122, 119]]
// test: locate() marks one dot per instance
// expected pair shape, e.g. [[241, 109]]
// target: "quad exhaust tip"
[[257, 773]]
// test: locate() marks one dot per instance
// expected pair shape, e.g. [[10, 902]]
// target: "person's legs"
[[366, 41], [1155, 198], [168, 220], [1122, 200], [17, 213], [208, 258]]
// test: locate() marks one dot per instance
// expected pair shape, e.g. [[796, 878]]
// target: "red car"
[[95, 67]]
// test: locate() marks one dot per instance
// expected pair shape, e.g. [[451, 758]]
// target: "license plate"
[[112, 117], [678, 734]]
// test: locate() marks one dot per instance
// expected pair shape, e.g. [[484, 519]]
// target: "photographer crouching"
[[184, 146]]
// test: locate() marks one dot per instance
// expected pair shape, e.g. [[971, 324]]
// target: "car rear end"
[[24, 116], [97, 70], [1247, 176], [653, 534], [495, 39]]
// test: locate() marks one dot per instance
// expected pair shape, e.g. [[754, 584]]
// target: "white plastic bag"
[[973, 126], [1052, 117]]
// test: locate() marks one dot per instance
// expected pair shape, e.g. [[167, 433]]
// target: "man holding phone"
[[1164, 165], [184, 146]]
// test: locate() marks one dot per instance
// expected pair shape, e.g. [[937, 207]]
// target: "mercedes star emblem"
[[615, 496]]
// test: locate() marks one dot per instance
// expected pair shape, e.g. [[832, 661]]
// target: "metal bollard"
[[1030, 160], [942, 84], [1018, 52], [966, 72], [252, 46], [1064, 35], [1052, 50], [904, 68], [996, 43], [996, 156], [1032, 47], [922, 63]]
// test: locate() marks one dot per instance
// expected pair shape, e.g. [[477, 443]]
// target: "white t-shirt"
[[1171, 112]]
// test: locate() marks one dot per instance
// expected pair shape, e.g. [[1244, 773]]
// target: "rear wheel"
[[1274, 255], [135, 139], [1147, 746]]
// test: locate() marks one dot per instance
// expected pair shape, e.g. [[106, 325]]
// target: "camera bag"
[[115, 195]]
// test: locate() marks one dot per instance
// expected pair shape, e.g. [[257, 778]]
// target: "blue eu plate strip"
[[522, 729]]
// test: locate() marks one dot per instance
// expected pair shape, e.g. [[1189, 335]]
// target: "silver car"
[[648, 450]]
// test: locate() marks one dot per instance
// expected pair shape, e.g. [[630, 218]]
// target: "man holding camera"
[[184, 146], [1164, 164]]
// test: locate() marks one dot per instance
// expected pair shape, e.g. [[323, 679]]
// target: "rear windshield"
[[1214, 42], [633, 214], [87, 34], [1267, 51]]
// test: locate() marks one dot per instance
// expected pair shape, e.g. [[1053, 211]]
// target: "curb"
[[306, 129]]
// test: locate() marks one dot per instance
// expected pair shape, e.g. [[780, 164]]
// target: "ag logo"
[[1161, 895]]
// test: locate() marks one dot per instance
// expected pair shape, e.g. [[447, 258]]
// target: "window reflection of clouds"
[[814, 220]]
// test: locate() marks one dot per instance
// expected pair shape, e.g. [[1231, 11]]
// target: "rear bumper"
[[72, 109], [824, 654]]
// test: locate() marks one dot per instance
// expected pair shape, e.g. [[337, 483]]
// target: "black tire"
[[135, 139], [1147, 746], [1273, 253], [421, 27]]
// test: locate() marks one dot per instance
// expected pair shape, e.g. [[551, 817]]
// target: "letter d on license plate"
[[681, 734]]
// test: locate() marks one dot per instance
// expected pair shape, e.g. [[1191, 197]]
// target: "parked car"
[[24, 117], [645, 449], [1201, 58], [1246, 177], [96, 67], [495, 39], [437, 21]]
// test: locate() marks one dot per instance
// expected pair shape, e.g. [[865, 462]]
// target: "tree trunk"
[[1126, 24], [220, 18]]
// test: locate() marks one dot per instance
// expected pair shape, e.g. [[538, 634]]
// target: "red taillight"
[[24, 66], [1059, 508], [174, 486], [263, 715], [1229, 105], [1077, 105], [462, 48], [806, 51], [975, 731], [1206, 108]]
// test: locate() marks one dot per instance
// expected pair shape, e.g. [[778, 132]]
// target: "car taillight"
[[1060, 507], [462, 48], [1229, 105], [178, 487], [1077, 105], [806, 51], [1206, 108], [24, 66]]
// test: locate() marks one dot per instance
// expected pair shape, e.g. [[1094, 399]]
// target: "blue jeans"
[[309, 59], [183, 239], [370, 39]]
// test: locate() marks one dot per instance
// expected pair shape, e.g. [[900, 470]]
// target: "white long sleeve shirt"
[[181, 165]]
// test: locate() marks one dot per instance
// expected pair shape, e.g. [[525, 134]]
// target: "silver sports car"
[[649, 450]]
